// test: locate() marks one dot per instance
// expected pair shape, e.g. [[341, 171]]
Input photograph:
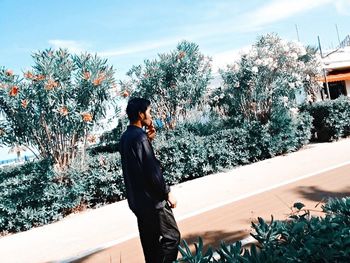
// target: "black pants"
[[159, 235]]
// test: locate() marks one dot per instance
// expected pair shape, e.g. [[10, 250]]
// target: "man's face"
[[146, 118]]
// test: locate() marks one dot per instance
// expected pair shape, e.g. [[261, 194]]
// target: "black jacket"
[[145, 185]]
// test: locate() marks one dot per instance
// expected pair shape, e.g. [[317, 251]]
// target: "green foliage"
[[204, 125], [259, 95], [288, 131], [185, 156], [109, 140], [175, 82], [55, 105], [114, 135], [34, 194], [199, 256], [301, 239], [330, 118]]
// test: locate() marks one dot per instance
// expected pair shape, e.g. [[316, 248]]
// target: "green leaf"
[[298, 205]]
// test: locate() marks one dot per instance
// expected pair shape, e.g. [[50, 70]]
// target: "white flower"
[[255, 69], [294, 111], [285, 100], [294, 56]]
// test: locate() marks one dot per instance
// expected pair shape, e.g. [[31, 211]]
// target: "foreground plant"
[[302, 238]]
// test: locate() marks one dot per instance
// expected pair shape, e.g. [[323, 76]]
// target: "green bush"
[[330, 119], [34, 194], [29, 197], [101, 180], [288, 132], [185, 155], [302, 238]]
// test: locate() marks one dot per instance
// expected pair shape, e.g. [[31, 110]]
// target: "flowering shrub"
[[175, 82], [54, 105], [266, 79]]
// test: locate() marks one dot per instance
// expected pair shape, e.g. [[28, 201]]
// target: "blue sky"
[[127, 32]]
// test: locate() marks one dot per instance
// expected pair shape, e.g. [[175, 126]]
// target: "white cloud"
[[278, 10], [141, 47], [72, 45], [343, 7], [222, 59]]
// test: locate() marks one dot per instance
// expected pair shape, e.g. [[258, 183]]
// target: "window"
[[336, 89]]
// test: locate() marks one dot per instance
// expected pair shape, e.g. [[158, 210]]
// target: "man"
[[148, 195]]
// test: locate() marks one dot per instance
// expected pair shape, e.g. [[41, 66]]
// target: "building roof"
[[337, 59], [338, 77]]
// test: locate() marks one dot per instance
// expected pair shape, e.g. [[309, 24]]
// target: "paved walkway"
[[232, 222], [114, 225]]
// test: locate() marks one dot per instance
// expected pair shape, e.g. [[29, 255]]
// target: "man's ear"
[[141, 115]]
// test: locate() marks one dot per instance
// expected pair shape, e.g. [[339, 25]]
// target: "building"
[[336, 65]]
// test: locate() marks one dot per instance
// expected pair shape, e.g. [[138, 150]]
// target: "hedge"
[[331, 119], [35, 194]]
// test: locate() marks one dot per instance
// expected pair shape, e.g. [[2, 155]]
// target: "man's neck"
[[136, 123]]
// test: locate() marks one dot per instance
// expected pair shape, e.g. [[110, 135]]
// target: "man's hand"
[[172, 200], [151, 132]]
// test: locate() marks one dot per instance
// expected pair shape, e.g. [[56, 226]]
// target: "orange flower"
[[87, 116], [87, 75], [39, 77], [100, 78], [9, 72], [28, 75], [14, 91], [64, 111], [125, 93], [181, 55], [51, 84], [91, 138], [24, 103]]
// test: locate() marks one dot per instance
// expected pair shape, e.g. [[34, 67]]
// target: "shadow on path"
[[213, 238], [317, 194]]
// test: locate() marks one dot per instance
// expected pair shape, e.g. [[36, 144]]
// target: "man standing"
[[148, 195]]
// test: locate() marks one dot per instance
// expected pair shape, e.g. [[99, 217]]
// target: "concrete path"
[[91, 231]]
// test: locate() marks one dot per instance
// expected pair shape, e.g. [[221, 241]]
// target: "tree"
[[175, 82], [54, 106], [267, 78]]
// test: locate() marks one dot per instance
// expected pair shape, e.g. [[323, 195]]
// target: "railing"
[[345, 42], [8, 161], [15, 161]]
